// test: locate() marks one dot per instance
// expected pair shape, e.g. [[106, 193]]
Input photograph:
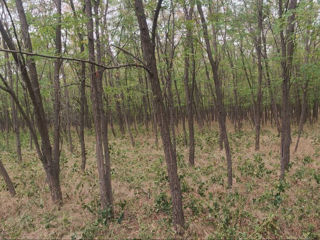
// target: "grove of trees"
[[170, 67]]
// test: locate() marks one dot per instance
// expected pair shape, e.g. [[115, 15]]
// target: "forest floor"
[[258, 206]]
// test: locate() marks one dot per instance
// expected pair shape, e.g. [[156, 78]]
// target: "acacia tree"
[[287, 50], [307, 67], [257, 44], [102, 151], [189, 88], [82, 90], [29, 75], [168, 50], [148, 49], [214, 63], [56, 86]]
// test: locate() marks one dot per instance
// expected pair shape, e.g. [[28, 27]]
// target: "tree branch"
[[13, 26], [76, 60], [155, 22], [23, 113], [129, 53]]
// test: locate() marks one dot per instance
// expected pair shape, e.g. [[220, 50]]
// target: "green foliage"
[[316, 177], [202, 189], [307, 160], [217, 179], [48, 220], [104, 216], [162, 203], [255, 168], [195, 206], [89, 232]]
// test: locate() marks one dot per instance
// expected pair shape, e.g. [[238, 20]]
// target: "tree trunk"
[[83, 99], [54, 170], [304, 90], [148, 49], [14, 113], [7, 179], [219, 101], [287, 49], [189, 51], [100, 124], [273, 102], [67, 110], [51, 166], [259, 90]]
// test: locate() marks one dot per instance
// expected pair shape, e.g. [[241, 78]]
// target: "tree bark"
[[287, 50], [148, 49], [97, 106], [57, 102], [5, 175]]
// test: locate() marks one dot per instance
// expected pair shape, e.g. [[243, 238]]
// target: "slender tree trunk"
[[219, 101], [82, 113], [148, 49], [302, 117], [100, 125], [51, 166], [67, 111], [111, 125], [304, 90], [144, 103], [182, 115], [7, 120], [189, 51], [273, 102], [237, 117], [7, 179], [57, 102], [260, 76], [287, 50], [14, 113], [315, 108], [83, 99], [126, 113]]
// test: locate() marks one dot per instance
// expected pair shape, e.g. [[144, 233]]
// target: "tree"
[[30, 77], [287, 50], [7, 179], [102, 151], [214, 63], [148, 49], [189, 88]]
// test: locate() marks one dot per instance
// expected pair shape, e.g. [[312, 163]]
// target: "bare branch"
[[129, 53], [75, 60]]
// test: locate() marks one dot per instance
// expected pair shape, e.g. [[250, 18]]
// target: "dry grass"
[[257, 207]]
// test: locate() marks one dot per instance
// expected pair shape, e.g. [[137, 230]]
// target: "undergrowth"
[[259, 206]]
